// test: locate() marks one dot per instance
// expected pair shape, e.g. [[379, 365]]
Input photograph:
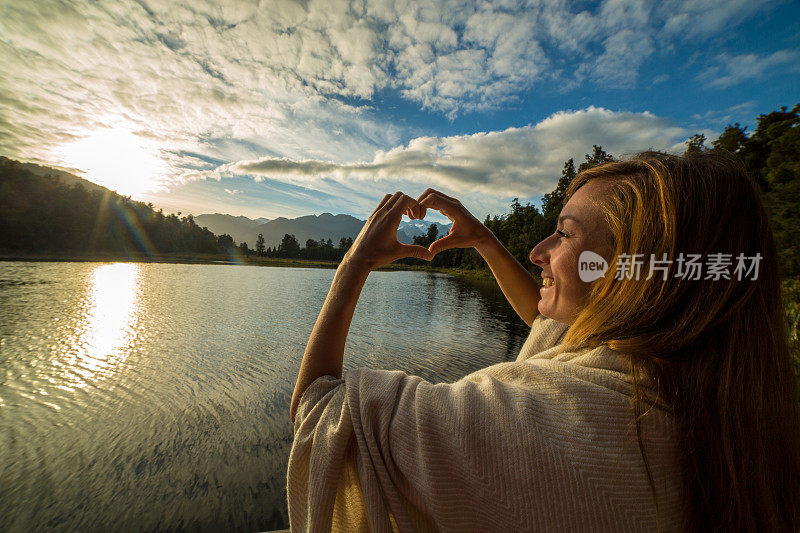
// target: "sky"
[[283, 108]]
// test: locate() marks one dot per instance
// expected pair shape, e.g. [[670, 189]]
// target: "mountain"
[[324, 226], [27, 184], [236, 227], [416, 228], [45, 210]]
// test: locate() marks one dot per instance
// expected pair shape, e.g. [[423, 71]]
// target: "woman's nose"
[[540, 255]]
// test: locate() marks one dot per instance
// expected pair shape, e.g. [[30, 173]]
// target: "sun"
[[115, 158]]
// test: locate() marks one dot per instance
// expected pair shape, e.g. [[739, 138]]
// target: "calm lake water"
[[155, 396]]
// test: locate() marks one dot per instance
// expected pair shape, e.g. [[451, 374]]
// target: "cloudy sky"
[[269, 108]]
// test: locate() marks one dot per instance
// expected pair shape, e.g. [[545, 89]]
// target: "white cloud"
[[624, 52], [723, 117], [692, 19], [731, 70], [521, 162], [242, 80]]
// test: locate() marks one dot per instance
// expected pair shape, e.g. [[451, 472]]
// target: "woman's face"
[[581, 226]]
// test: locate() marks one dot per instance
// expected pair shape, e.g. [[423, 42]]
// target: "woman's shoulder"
[[545, 334]]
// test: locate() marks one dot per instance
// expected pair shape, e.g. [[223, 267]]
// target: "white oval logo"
[[591, 266]]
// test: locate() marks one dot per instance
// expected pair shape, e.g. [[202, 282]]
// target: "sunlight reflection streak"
[[113, 309]]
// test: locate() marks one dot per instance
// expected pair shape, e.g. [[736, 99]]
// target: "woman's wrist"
[[355, 266], [487, 243]]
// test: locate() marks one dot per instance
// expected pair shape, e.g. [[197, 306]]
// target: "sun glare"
[[112, 310], [115, 158]]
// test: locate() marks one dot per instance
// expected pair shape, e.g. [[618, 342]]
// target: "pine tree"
[[260, 245]]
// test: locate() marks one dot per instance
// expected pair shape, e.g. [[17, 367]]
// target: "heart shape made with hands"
[[377, 245], [466, 231]]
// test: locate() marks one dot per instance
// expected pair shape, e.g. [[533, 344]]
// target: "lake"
[[146, 396]]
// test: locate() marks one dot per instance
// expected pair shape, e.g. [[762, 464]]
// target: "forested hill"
[[44, 211], [62, 176]]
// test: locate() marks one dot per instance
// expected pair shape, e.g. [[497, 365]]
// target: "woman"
[[651, 398]]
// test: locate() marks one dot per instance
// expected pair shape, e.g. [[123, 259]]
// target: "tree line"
[[42, 214], [289, 247]]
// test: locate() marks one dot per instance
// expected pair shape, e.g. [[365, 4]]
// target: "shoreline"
[[209, 259]]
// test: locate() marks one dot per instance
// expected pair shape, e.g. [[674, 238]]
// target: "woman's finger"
[[414, 250], [417, 212], [445, 243], [395, 201], [383, 202], [402, 203], [438, 203], [434, 191]]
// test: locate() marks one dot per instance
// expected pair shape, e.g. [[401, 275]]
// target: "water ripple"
[[155, 396]]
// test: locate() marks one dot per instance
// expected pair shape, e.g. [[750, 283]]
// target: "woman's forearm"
[[325, 348], [375, 246], [519, 287]]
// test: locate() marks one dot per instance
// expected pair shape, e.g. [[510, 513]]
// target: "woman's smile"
[[581, 227]]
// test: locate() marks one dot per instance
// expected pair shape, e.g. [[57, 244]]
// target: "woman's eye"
[[561, 233]]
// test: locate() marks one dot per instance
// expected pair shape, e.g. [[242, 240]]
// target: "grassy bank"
[[216, 259]]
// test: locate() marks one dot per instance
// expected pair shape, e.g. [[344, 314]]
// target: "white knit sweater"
[[545, 443]]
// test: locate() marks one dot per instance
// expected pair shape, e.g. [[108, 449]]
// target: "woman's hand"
[[466, 231], [377, 245]]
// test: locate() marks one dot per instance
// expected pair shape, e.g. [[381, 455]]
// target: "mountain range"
[[242, 229], [325, 226]]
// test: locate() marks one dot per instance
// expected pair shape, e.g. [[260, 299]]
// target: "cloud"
[[521, 162], [732, 70], [728, 115], [197, 84], [692, 19], [223, 82]]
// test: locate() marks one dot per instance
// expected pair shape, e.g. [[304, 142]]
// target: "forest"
[[39, 214]]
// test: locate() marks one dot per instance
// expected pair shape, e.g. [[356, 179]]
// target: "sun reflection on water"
[[112, 310]]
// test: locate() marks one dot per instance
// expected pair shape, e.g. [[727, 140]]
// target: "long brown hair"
[[717, 349]]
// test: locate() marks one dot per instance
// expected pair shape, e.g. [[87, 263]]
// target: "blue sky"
[[286, 108]]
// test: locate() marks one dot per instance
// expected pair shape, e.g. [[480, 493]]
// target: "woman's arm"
[[519, 287], [325, 348], [375, 246]]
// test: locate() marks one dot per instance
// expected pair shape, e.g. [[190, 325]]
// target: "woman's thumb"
[[445, 243], [414, 250]]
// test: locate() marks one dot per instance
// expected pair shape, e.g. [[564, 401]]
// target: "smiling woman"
[[638, 402], [116, 158]]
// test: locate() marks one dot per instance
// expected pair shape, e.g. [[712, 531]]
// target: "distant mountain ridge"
[[232, 225], [324, 226]]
